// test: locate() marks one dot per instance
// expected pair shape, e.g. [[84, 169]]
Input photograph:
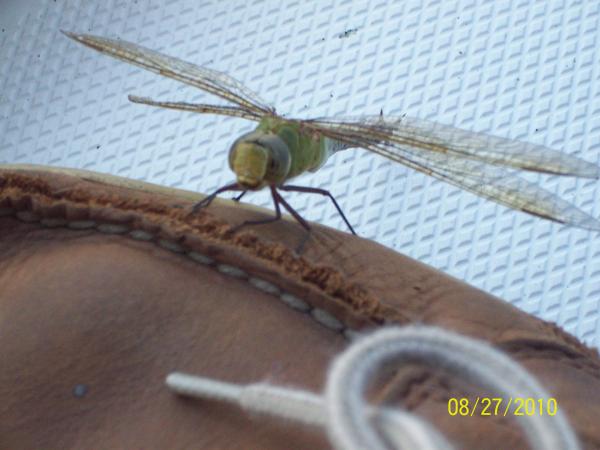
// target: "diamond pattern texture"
[[522, 69]]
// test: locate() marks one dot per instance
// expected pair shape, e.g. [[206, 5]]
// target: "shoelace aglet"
[[200, 387]]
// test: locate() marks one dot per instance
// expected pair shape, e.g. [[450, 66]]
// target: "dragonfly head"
[[249, 161], [259, 160]]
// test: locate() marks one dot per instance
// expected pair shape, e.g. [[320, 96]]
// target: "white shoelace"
[[354, 425]]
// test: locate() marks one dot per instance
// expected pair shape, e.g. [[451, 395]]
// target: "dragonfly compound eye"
[[279, 162]]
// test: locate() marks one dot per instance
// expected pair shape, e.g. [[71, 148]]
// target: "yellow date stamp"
[[499, 406]]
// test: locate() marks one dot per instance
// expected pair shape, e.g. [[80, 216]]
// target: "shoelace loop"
[[352, 424]]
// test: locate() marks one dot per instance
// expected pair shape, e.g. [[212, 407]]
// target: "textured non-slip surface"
[[521, 69]]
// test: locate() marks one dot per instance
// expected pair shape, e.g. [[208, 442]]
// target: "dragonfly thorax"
[[259, 159]]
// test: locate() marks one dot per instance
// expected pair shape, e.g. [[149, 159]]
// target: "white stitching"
[[170, 245], [200, 258], [81, 224], [321, 316], [351, 335], [140, 235], [324, 318], [264, 285], [28, 216], [231, 271], [294, 302], [53, 223], [112, 228]]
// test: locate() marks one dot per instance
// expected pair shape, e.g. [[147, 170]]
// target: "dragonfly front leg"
[[298, 217], [312, 190], [264, 221], [289, 208], [237, 198], [208, 199], [277, 201]]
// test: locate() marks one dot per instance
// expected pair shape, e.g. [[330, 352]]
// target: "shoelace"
[[352, 424]]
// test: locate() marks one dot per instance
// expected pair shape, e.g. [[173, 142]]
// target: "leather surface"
[[99, 293]]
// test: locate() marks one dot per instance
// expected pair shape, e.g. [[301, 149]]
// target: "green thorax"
[[308, 150]]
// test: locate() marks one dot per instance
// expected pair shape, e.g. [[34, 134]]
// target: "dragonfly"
[[280, 148]]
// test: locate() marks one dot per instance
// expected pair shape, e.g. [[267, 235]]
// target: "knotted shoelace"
[[352, 424]]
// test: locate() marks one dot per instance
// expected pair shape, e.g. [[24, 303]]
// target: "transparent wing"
[[475, 175], [232, 111], [506, 188], [431, 137], [212, 81]]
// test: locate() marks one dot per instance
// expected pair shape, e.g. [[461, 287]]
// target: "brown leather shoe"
[[108, 285]]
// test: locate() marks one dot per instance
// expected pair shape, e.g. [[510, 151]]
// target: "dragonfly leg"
[[312, 190], [291, 210], [264, 221], [208, 199], [278, 200], [298, 217], [237, 198]]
